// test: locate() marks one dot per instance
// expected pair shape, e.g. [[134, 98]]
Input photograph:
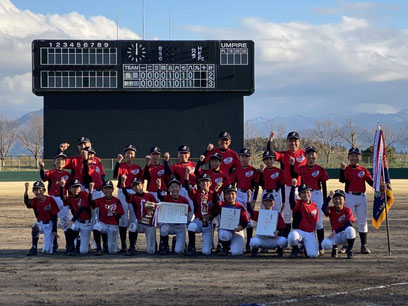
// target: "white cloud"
[[371, 108]]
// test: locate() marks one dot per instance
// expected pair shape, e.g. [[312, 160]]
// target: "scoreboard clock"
[[142, 66]]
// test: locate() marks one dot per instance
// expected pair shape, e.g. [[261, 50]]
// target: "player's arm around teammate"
[[46, 210]]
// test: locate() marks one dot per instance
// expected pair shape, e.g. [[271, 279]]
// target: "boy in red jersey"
[[153, 171], [315, 177], [145, 219], [110, 211], [80, 223], [355, 177], [167, 229], [305, 216], [245, 177], [215, 172], [341, 219], [46, 210], [54, 177], [130, 170]]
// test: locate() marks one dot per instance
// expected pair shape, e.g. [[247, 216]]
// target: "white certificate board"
[[229, 218], [267, 222], [172, 212]]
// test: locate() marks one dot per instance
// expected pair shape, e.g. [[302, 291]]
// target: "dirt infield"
[[376, 279]]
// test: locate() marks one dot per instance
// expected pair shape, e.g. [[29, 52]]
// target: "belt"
[[270, 190], [84, 221], [356, 193], [243, 190], [45, 222]]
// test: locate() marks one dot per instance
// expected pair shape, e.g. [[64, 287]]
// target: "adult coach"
[[283, 157]]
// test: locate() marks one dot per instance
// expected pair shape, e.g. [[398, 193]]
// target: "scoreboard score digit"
[[142, 66]]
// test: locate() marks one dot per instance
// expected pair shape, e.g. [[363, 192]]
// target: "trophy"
[[204, 208], [148, 218]]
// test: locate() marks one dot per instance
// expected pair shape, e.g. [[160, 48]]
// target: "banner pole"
[[386, 205]]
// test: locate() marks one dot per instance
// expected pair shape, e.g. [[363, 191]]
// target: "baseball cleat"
[[335, 252], [254, 251], [248, 249], [32, 252], [131, 252], [190, 252], [279, 251], [321, 252], [264, 250], [350, 254], [294, 253], [343, 250], [365, 250], [99, 252], [173, 244], [122, 251]]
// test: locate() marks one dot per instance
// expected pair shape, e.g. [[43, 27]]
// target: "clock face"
[[136, 52]]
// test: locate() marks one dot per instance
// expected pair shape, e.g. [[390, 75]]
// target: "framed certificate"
[[172, 212], [267, 222], [230, 218]]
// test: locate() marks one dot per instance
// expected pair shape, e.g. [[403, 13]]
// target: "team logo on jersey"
[[342, 218], [218, 180], [111, 206], [228, 160], [65, 178], [275, 175], [97, 170], [299, 159], [313, 212], [161, 172], [361, 174], [135, 171], [47, 208], [316, 173], [249, 173]]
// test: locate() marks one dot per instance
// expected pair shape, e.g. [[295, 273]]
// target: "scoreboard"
[[142, 66]]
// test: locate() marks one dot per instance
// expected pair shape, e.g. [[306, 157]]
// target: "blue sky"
[[314, 57]]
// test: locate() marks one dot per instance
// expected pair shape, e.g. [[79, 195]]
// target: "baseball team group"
[[83, 201]]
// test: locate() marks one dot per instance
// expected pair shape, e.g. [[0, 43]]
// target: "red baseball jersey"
[[75, 203], [44, 210], [272, 178], [96, 175], [156, 172], [76, 164], [305, 216], [131, 171], [339, 219], [312, 176], [203, 200], [356, 177], [54, 178], [283, 158], [179, 170], [245, 177], [230, 159], [139, 201], [104, 205], [281, 222], [216, 177], [180, 199], [244, 218]]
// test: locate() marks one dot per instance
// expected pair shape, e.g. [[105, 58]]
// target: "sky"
[[313, 57]]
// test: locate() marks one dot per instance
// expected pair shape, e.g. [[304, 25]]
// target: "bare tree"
[[8, 135], [31, 137], [351, 132], [325, 135]]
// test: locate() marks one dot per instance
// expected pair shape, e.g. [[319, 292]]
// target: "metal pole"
[[386, 208]]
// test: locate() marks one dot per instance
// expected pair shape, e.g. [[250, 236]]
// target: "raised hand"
[[272, 135], [202, 157], [210, 146], [293, 182], [148, 159], [63, 146], [262, 167], [343, 166], [166, 156], [119, 158], [292, 160], [41, 164]]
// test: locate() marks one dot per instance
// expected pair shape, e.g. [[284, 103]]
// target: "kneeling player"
[[341, 219], [46, 211], [278, 241], [305, 216], [110, 211]]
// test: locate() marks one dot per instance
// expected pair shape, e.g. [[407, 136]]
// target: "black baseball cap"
[[82, 140], [340, 193], [268, 196], [155, 150], [230, 188], [293, 134], [205, 177], [173, 180], [245, 151], [224, 135], [137, 180], [183, 149], [60, 155], [107, 184], [216, 156], [303, 188], [354, 151], [90, 150], [130, 147], [38, 185], [74, 183], [268, 154], [311, 149]]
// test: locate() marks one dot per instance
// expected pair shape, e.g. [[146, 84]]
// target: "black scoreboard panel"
[[142, 66]]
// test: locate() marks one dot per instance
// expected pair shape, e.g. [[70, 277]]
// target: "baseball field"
[[375, 279]]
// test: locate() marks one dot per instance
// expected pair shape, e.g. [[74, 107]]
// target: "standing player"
[[130, 170], [54, 177], [153, 171], [355, 176], [341, 219], [305, 216], [229, 158], [245, 177], [215, 172], [46, 210], [293, 145], [315, 177]]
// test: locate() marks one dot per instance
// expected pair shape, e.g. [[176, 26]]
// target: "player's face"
[[305, 196], [311, 157], [59, 162], [224, 143], [354, 159], [244, 160], [338, 202], [107, 191], [39, 192], [75, 190], [215, 163], [183, 157], [230, 196], [137, 187], [155, 158], [83, 145], [268, 162], [268, 204], [130, 155], [293, 144], [174, 189], [205, 185]]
